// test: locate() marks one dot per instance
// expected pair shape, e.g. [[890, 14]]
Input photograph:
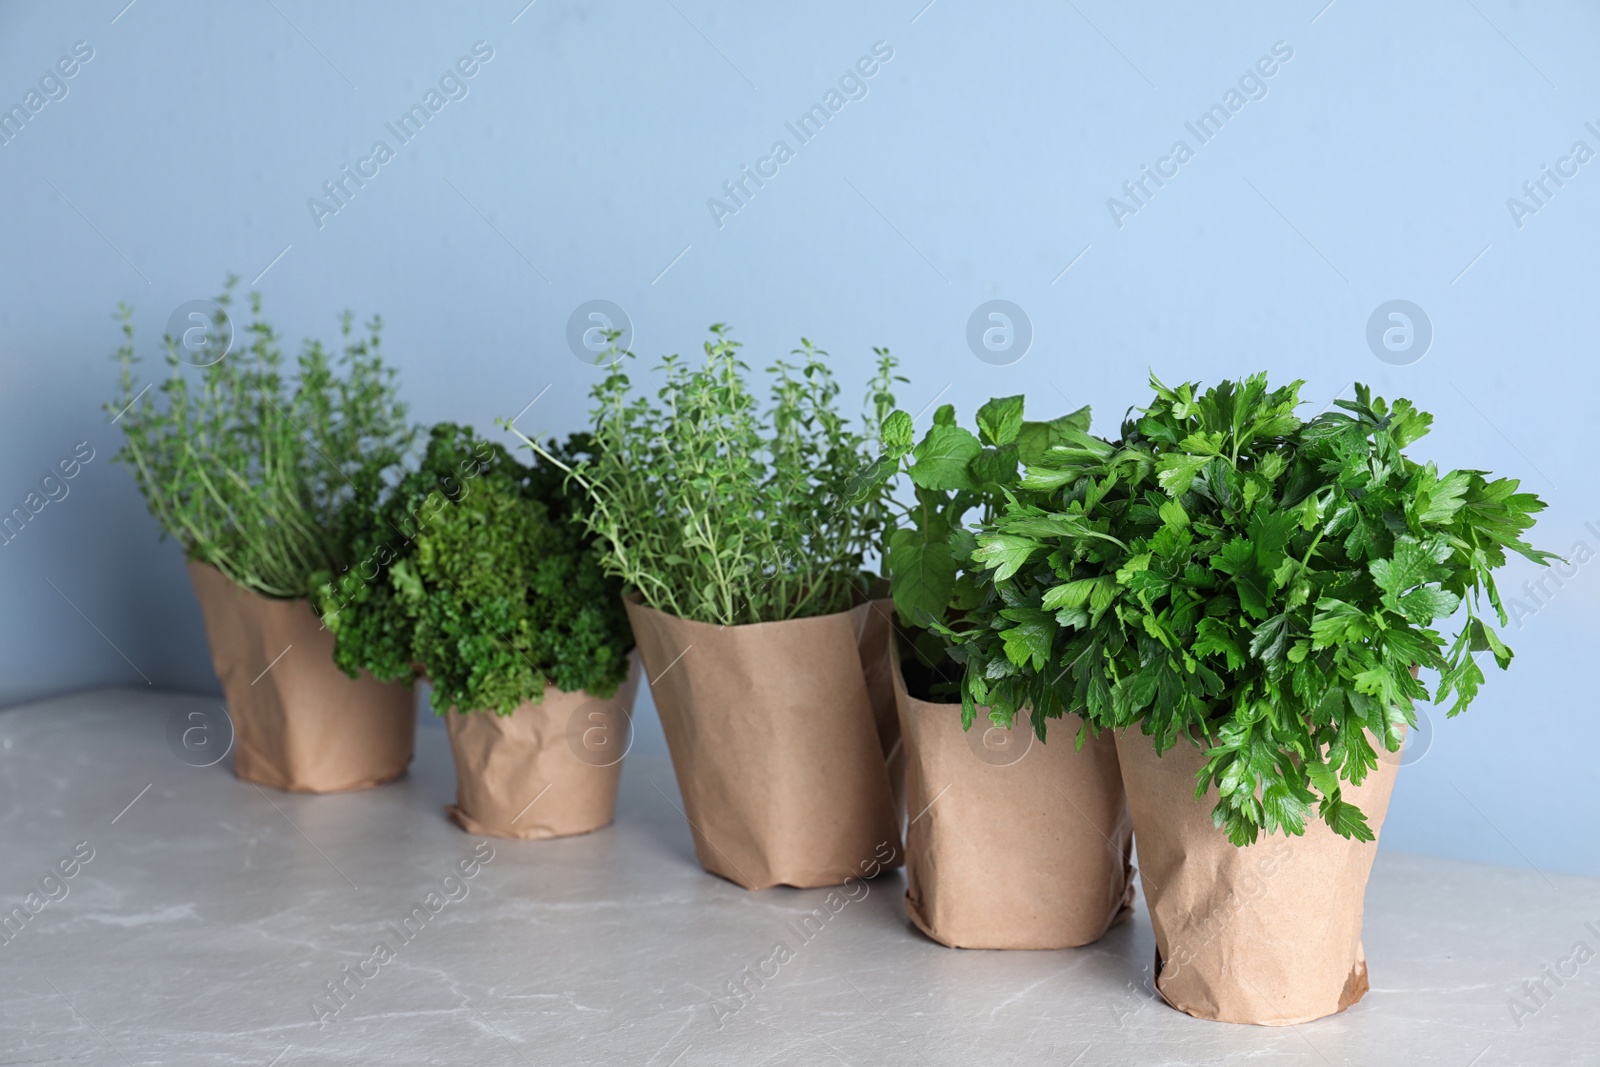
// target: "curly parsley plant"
[[477, 573]]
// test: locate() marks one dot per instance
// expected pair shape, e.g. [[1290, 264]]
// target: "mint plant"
[[259, 472], [956, 476], [1260, 585]]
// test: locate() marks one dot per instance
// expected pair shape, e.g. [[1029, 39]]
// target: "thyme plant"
[[715, 510]]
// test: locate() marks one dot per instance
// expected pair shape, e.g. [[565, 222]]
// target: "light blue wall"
[[978, 165]]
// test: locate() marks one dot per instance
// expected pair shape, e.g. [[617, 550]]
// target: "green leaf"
[[1337, 623], [995, 467], [1235, 557], [1253, 588], [1347, 820], [1213, 636], [1482, 638], [1068, 594], [1424, 605], [1000, 420], [1034, 439], [1028, 644], [1284, 806], [1203, 444], [1365, 540], [1047, 525], [921, 577], [1176, 472], [897, 434], [1462, 678], [944, 457], [963, 543], [1004, 554], [1271, 639], [1269, 533], [864, 484], [1323, 777], [1376, 682], [1096, 592], [1044, 479], [1446, 498], [1415, 563]]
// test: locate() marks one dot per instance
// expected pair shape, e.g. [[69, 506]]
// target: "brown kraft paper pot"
[[299, 722], [875, 647], [1269, 933], [1013, 843], [776, 743], [546, 770]]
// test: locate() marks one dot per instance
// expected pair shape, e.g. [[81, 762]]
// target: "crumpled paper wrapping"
[[1269, 933], [778, 742], [875, 646], [299, 722], [546, 770], [1009, 851]]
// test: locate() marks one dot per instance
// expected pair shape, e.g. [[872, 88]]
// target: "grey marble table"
[[212, 915]]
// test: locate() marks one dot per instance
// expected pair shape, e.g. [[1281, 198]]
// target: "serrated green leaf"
[[1176, 472], [921, 578], [1271, 639], [1414, 563], [1004, 554], [1424, 605], [1069, 594], [897, 434], [1337, 622], [1000, 420], [994, 467], [1269, 533], [1028, 644], [943, 459], [1347, 820]]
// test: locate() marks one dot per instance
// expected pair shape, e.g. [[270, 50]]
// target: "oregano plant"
[[1230, 575], [261, 470]]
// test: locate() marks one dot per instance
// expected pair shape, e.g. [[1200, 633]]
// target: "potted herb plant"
[[476, 573], [737, 535], [992, 859], [1246, 598], [262, 475]]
